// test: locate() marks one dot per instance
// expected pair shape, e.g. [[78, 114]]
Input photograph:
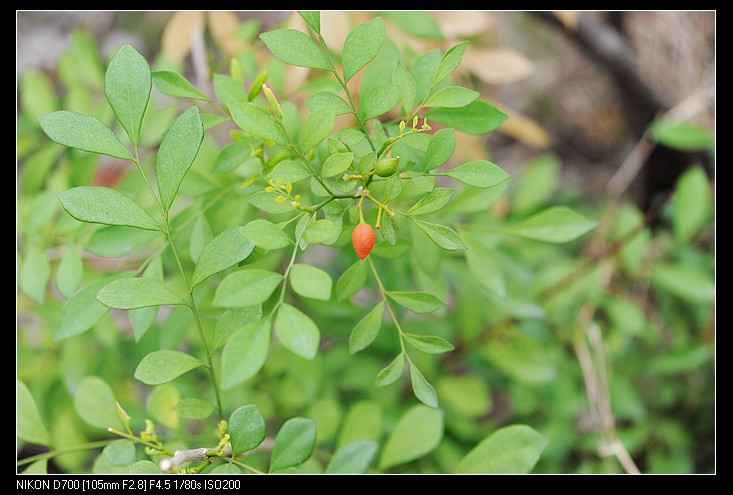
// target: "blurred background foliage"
[[605, 346]]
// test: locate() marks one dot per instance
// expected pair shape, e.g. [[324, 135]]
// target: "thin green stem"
[[391, 312], [194, 310], [342, 83], [65, 450], [136, 160], [239, 463], [135, 439]]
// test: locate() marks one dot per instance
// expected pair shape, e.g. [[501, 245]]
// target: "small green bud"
[[256, 87], [387, 166], [124, 417], [274, 104]]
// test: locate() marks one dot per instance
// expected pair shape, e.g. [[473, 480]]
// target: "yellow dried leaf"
[[462, 24], [335, 25], [223, 27], [177, 35], [569, 18], [525, 129], [497, 66]]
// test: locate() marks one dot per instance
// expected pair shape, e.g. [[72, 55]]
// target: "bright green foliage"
[[127, 86], [510, 450], [243, 321], [294, 443], [30, 425]]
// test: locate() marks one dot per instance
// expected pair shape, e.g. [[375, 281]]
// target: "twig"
[[182, 456]]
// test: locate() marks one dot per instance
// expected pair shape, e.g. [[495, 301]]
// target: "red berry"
[[363, 238]]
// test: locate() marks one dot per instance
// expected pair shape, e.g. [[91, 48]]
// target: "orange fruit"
[[362, 238]]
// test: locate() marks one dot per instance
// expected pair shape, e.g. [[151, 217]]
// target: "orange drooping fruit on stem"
[[362, 237]]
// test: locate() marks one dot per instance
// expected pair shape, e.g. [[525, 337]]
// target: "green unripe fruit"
[[387, 166]]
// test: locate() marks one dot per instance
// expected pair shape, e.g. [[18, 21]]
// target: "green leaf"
[[297, 332], [353, 458], [416, 23], [95, 403], [174, 84], [145, 467], [485, 269], [225, 250], [431, 202], [556, 224], [228, 90], [452, 97], [408, 88], [311, 282], [422, 389], [246, 428], [363, 421], [479, 173], [98, 204], [232, 320], [201, 235], [120, 452], [294, 443], [392, 188], [450, 61], [361, 46], [336, 164], [268, 202], [81, 312], [34, 273], [176, 153], [417, 433], [367, 329], [257, 121], [83, 132], [233, 156], [143, 318], [323, 231], [29, 424], [417, 302], [295, 48], [161, 405], [682, 135], [137, 292], [317, 127], [267, 235], [289, 171], [247, 287], [441, 235], [313, 18], [37, 467], [127, 85], [440, 148], [194, 408], [693, 204], [392, 372], [512, 449], [476, 118], [429, 344], [245, 353], [226, 469], [379, 100], [165, 365], [69, 272], [389, 230], [465, 395], [327, 99], [352, 280], [685, 281], [37, 93], [537, 184]]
